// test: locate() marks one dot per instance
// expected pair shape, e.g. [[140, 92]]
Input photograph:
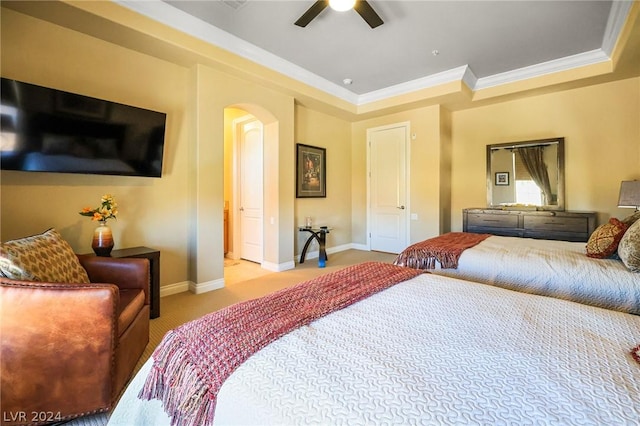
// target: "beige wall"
[[212, 92], [428, 171], [334, 134], [153, 212], [181, 213], [448, 165], [445, 170], [602, 143]]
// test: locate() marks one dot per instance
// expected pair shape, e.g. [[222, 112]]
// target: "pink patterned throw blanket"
[[445, 248], [193, 361]]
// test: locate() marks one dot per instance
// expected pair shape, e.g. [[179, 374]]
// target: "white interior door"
[[251, 190], [388, 209]]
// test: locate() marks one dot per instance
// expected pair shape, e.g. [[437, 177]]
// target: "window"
[[527, 192]]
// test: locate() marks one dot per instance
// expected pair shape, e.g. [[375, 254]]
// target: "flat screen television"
[[48, 130]]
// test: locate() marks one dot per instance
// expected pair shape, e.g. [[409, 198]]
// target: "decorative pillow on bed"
[[604, 240], [635, 353], [630, 220], [44, 257], [629, 248]]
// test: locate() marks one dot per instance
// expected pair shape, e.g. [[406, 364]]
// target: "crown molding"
[[188, 24], [177, 19], [617, 17], [429, 81], [545, 68]]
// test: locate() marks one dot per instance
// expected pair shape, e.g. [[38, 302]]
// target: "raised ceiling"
[[420, 44]]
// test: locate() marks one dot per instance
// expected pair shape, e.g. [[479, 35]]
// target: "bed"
[[552, 268], [423, 349]]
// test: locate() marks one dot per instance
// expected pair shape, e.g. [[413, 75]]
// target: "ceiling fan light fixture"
[[342, 5], [363, 8]]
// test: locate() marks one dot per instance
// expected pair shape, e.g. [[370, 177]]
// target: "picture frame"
[[502, 178], [311, 171]]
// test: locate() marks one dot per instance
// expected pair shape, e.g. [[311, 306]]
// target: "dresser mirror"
[[526, 175]]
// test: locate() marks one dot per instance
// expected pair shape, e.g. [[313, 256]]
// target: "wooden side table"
[[154, 266]]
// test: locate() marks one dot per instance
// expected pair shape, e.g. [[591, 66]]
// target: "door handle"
[[241, 209], [401, 207]]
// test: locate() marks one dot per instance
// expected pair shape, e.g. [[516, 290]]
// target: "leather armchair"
[[68, 350]]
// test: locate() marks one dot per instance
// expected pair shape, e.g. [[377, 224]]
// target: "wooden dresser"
[[548, 225]]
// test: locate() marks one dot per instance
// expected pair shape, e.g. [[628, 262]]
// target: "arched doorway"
[[249, 133], [214, 93]]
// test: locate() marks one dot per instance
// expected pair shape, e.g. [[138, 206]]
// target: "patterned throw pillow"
[[629, 248], [604, 240], [46, 257], [630, 220]]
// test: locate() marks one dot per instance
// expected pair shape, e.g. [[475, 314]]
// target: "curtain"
[[533, 159]]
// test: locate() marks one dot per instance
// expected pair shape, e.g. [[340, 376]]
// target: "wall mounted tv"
[[48, 130]]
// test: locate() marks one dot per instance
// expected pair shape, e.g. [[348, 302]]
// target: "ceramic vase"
[[102, 243]]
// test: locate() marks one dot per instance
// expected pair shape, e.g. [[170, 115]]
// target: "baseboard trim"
[[175, 288], [278, 267], [335, 249], [199, 288], [363, 247]]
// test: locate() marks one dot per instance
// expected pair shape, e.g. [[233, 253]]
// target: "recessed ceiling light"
[[435, 52], [347, 81]]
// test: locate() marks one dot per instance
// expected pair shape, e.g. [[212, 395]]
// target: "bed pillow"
[[604, 240], [629, 248], [630, 220], [635, 353], [46, 257]]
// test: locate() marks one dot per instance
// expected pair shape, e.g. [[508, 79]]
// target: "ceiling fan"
[[363, 8]]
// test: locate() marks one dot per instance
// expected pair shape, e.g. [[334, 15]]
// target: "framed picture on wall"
[[311, 171], [502, 178]]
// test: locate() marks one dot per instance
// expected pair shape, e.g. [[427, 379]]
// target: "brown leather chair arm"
[[124, 272], [56, 338]]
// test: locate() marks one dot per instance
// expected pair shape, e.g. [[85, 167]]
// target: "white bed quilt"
[[559, 269], [435, 351]]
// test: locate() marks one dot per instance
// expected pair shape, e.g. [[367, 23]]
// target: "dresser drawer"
[[561, 225], [493, 220], [553, 223]]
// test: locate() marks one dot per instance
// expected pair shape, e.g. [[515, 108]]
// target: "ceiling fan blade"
[[368, 14], [312, 12]]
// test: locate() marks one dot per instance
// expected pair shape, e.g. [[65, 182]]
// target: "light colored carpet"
[[243, 281]]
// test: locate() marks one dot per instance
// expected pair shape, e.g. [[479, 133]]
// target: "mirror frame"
[[560, 141]]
